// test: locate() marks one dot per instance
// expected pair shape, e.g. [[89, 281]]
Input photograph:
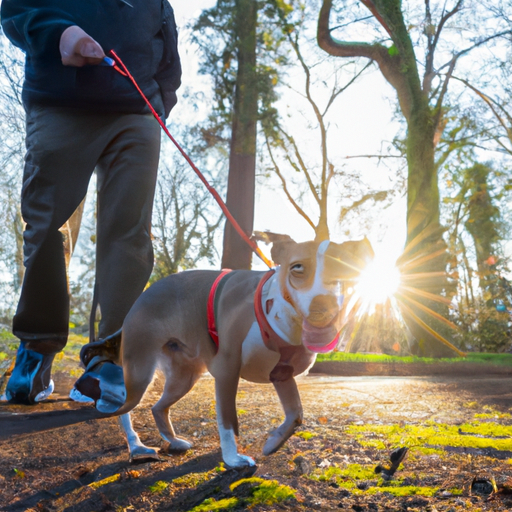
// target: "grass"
[[470, 435], [348, 478], [472, 357]]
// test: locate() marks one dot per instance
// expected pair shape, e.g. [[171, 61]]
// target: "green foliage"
[[476, 199], [6, 336], [264, 492], [351, 471], [305, 435], [405, 490], [474, 435], [211, 504], [159, 487], [393, 50], [193, 479], [349, 476], [471, 357], [216, 34]]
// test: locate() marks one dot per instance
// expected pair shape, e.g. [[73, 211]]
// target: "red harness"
[[271, 339], [210, 308]]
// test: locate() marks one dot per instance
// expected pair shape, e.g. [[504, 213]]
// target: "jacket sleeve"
[[168, 75], [33, 27]]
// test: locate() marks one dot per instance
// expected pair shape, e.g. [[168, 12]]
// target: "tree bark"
[[242, 161]]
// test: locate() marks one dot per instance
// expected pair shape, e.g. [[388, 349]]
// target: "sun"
[[377, 283]]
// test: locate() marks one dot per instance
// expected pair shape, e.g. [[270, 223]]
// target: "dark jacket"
[[144, 36]]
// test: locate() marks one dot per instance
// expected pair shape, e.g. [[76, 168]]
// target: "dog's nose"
[[322, 310]]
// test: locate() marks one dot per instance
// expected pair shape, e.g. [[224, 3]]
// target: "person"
[[82, 116]]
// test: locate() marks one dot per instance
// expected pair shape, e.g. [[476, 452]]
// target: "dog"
[[261, 326]]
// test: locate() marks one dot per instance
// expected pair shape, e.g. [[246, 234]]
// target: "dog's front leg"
[[227, 374], [290, 400], [138, 452]]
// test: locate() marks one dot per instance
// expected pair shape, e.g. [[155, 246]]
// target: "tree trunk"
[[423, 262], [242, 161]]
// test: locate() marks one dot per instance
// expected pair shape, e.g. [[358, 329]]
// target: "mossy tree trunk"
[[423, 262]]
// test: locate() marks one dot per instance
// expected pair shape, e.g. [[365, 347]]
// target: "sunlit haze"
[[378, 281]]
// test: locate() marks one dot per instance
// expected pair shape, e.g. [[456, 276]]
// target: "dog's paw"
[[176, 445], [278, 437], [239, 461], [141, 454]]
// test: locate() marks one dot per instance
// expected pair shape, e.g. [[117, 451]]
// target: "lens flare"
[[378, 282]]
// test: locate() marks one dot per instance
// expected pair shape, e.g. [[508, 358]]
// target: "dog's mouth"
[[320, 339]]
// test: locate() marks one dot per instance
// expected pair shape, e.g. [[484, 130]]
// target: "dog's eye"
[[298, 268]]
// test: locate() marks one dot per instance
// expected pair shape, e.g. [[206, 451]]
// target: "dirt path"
[[458, 431]]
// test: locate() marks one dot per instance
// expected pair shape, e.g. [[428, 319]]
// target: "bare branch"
[[390, 66], [433, 39], [476, 45], [303, 166], [294, 203], [381, 195], [493, 105], [335, 94]]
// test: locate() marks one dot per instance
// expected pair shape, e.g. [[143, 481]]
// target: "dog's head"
[[313, 278]]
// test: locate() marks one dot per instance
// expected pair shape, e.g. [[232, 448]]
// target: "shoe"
[[102, 382], [76, 396], [30, 381]]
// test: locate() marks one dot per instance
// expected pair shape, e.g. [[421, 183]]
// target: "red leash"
[[124, 71]]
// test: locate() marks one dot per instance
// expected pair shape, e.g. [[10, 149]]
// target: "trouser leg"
[[56, 175], [124, 253], [127, 174]]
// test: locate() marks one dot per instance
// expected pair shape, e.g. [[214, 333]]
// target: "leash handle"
[[124, 71]]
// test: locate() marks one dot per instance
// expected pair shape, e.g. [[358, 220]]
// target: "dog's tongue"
[[319, 339]]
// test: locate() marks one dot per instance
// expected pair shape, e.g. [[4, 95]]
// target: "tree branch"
[[277, 170], [389, 65]]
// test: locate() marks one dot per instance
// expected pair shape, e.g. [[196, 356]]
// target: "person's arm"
[[34, 26], [43, 31], [169, 72]]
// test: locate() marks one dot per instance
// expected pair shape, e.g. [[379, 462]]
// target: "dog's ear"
[[280, 244], [280, 249], [269, 238], [352, 256]]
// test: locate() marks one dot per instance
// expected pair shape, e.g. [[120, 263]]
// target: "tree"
[[421, 102], [482, 308], [183, 225], [239, 52], [300, 145]]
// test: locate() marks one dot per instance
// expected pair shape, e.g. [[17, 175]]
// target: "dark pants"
[[64, 147]]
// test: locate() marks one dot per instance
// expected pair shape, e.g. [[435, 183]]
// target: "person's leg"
[[127, 173], [59, 162], [126, 176]]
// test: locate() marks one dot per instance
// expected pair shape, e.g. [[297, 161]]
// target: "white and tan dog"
[[270, 326]]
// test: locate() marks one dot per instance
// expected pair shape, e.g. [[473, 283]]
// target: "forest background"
[[395, 123]]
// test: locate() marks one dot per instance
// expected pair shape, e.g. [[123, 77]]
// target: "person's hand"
[[77, 48]]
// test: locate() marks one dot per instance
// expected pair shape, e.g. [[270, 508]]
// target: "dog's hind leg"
[[290, 400], [138, 452], [178, 384]]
